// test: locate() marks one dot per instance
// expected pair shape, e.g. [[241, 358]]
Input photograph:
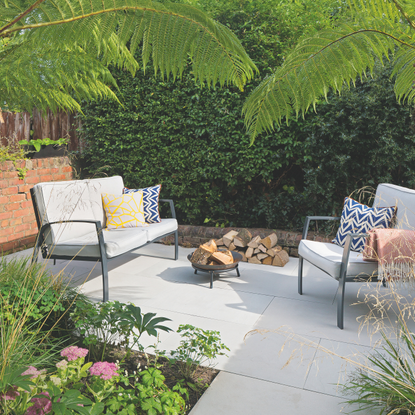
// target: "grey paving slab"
[[232, 394]]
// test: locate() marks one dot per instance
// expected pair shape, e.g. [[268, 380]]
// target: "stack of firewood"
[[254, 250], [209, 254]]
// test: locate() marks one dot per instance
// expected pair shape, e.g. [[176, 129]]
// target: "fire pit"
[[217, 269]]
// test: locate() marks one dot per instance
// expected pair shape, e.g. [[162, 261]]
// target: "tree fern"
[[55, 52], [334, 59]]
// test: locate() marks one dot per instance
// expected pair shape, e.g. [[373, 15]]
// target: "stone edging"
[[193, 236]]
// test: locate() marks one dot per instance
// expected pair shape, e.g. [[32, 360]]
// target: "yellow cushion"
[[124, 211]]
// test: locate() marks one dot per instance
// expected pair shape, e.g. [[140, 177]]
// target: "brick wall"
[[17, 219]]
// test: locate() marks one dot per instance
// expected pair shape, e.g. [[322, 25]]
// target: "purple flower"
[[104, 370], [11, 394], [42, 406], [33, 371], [74, 352]]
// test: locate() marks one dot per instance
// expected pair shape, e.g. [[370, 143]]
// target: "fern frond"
[[334, 59], [167, 33]]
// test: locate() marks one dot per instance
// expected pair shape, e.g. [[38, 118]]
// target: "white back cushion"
[[71, 200], [403, 198]]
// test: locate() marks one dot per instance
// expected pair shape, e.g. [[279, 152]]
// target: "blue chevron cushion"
[[150, 201], [358, 218]]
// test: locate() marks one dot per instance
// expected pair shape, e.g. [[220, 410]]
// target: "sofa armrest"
[[310, 218], [170, 201], [97, 224]]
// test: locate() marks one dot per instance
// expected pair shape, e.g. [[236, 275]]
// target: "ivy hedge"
[[193, 141]]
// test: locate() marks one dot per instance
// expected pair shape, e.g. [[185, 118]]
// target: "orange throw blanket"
[[394, 249]]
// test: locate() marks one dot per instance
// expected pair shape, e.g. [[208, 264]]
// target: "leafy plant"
[[37, 144], [106, 323], [197, 347]]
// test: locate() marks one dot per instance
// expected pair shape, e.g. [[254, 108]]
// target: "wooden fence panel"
[[14, 123], [53, 126]]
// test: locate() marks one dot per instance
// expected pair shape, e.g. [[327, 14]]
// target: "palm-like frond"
[[101, 31], [334, 59]]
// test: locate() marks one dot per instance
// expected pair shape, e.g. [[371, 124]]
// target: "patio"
[[253, 378]]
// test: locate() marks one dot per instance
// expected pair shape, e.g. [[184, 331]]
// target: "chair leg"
[[300, 275], [176, 245], [35, 255], [105, 289], [340, 301]]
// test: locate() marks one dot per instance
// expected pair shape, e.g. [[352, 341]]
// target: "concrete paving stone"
[[333, 365], [317, 319], [231, 394], [274, 357]]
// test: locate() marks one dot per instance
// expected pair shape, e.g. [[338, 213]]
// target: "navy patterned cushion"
[[151, 202], [358, 218]]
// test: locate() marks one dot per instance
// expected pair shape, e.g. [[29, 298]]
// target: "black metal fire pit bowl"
[[218, 269]]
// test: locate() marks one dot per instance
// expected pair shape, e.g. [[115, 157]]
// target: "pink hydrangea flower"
[[74, 352], [62, 364], [11, 394], [42, 406], [33, 371], [104, 370]]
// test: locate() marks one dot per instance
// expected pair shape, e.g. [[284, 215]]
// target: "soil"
[[201, 380]]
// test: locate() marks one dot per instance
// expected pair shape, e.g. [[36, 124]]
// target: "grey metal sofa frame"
[[48, 253]]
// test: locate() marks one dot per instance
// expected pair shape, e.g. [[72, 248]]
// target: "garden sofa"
[[343, 264], [72, 223]]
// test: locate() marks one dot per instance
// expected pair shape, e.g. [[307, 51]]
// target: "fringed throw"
[[394, 250]]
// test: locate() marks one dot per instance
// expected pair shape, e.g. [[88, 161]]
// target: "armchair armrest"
[[310, 218], [347, 248], [170, 201]]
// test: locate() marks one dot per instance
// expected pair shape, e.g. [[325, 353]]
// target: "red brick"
[[31, 173], [12, 206], [6, 166], [6, 215], [67, 169], [26, 204], [24, 188], [3, 184], [17, 236], [21, 212], [6, 231], [23, 227], [10, 175], [41, 172], [10, 190], [4, 199], [28, 196], [54, 170], [4, 223], [17, 198], [33, 180], [57, 177], [15, 222], [30, 218], [5, 247], [47, 178]]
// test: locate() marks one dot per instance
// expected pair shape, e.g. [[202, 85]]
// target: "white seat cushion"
[[117, 242], [155, 230], [328, 257]]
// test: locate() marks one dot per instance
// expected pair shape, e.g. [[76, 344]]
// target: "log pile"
[[254, 250], [209, 254]]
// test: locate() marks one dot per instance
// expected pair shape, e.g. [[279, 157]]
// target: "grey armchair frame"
[[342, 278]]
